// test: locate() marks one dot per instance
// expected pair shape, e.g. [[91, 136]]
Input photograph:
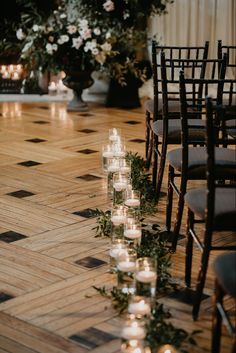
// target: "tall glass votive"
[[125, 168], [120, 183], [126, 267], [114, 134], [119, 149], [107, 153], [132, 200], [132, 231], [146, 276], [118, 220], [113, 166], [133, 329], [117, 249], [139, 306]]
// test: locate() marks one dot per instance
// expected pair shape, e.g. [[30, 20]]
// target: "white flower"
[[20, 34], [35, 28], [85, 33], [27, 46], [63, 39], [97, 31], [60, 41], [71, 29], [83, 23], [77, 42], [95, 51], [63, 15], [108, 35], [106, 46], [54, 47], [51, 47], [90, 45], [109, 5]]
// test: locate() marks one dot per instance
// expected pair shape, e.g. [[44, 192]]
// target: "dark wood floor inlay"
[[86, 213], [87, 151], [4, 297], [29, 163], [87, 131], [132, 122], [92, 338], [85, 114], [10, 236], [36, 140], [20, 194], [89, 177], [41, 122], [137, 140], [186, 296], [90, 262]]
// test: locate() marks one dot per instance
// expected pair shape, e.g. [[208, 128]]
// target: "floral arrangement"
[[63, 42]]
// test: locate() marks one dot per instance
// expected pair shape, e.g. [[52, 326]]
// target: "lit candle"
[[132, 202], [167, 348], [19, 68], [118, 219], [11, 68], [114, 135], [3, 68], [6, 75], [146, 276], [52, 88], [133, 233], [15, 76], [126, 266], [117, 250], [133, 332], [61, 87], [108, 154], [120, 185], [113, 168], [139, 308]]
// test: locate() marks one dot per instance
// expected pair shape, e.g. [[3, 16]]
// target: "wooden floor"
[[50, 175]]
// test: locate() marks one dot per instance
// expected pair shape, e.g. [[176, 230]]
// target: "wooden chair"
[[153, 107], [225, 284], [168, 130], [213, 205], [189, 161], [230, 50]]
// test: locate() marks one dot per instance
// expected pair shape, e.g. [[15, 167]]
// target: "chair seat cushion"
[[174, 130], [225, 158], [173, 106], [225, 270], [225, 209]]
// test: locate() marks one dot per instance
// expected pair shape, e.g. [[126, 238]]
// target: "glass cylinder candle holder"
[[132, 230], [139, 306], [146, 276], [118, 248], [119, 149], [125, 168], [126, 267], [132, 200], [107, 154], [133, 329], [113, 166], [118, 220], [114, 134], [133, 346], [120, 183]]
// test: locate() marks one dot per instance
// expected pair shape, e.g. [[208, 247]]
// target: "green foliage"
[[119, 299], [160, 331], [103, 227]]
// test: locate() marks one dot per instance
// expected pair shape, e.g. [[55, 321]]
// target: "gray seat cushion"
[[174, 129], [225, 206], [225, 270], [174, 106], [224, 157]]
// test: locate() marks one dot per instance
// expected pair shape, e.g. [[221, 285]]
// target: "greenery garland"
[[159, 329]]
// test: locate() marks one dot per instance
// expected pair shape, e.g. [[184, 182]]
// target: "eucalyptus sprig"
[[119, 299], [161, 331], [103, 227]]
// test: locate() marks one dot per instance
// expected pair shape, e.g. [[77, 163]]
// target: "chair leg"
[[216, 319], [201, 281], [147, 146], [189, 249], [155, 161], [169, 198], [179, 213], [149, 156], [161, 168]]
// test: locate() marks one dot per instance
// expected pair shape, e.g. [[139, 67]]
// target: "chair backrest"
[[230, 50], [172, 52], [214, 114]]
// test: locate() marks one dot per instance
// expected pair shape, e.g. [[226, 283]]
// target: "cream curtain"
[[191, 22]]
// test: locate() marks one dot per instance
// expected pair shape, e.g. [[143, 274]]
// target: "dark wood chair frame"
[[169, 68], [171, 52], [207, 245]]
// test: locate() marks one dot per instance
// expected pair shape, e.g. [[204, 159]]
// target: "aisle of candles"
[[136, 277]]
